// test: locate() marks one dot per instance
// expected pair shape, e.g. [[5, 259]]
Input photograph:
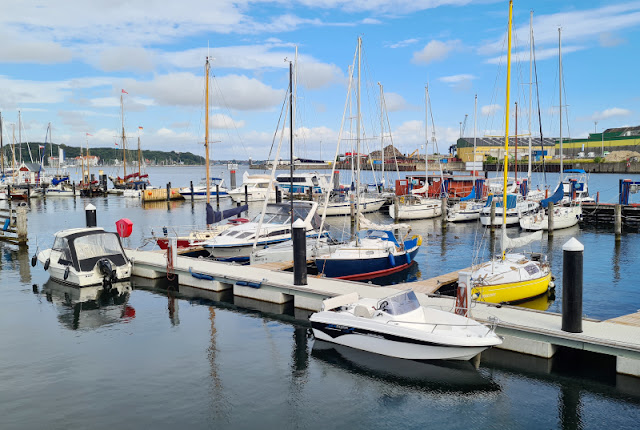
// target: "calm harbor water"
[[147, 356]]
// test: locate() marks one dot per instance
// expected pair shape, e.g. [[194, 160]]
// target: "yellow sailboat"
[[510, 277]]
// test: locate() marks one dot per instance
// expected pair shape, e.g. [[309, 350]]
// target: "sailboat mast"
[[506, 133], [13, 151], [20, 135], [206, 129], [291, 141], [426, 137], [516, 152], [139, 155], [124, 140], [88, 169], [475, 121], [358, 138], [560, 92], [1, 147], [530, 91], [381, 133]]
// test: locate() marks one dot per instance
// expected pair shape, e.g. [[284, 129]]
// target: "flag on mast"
[[139, 128], [89, 134], [124, 92]]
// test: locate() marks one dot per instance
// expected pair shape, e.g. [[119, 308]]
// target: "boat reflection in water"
[[455, 377], [90, 307]]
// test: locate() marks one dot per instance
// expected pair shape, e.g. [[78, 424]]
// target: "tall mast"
[[1, 147], [206, 128], [124, 139], [13, 151], [88, 169], [358, 138], [516, 152], [530, 89], [20, 135], [291, 124], [475, 120], [506, 133], [426, 136], [560, 92], [381, 133], [139, 155]]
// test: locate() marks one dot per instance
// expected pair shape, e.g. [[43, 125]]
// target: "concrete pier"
[[524, 330]]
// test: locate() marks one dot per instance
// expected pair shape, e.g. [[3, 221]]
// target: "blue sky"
[[66, 63]]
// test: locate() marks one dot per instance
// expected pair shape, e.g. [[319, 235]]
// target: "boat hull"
[[344, 208], [391, 345], [562, 218], [512, 291], [416, 211], [366, 268]]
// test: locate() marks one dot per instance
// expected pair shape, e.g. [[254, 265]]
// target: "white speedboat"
[[416, 207], [86, 256], [398, 326], [340, 204], [258, 187], [464, 211], [303, 182], [517, 207], [236, 243], [200, 190]]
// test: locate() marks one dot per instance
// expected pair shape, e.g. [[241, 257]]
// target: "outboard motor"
[[106, 268]]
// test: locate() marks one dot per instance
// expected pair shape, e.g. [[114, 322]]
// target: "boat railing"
[[493, 322]]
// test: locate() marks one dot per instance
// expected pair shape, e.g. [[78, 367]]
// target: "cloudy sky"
[[67, 62]]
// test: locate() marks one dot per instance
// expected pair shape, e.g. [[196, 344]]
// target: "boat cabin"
[[81, 248]]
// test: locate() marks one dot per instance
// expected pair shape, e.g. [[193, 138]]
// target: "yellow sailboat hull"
[[513, 291]]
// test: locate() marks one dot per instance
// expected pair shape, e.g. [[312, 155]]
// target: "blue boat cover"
[[512, 199], [555, 197], [575, 171], [56, 181], [471, 196]]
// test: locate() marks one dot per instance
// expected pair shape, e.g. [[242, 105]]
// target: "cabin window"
[[262, 185], [531, 269], [243, 235], [278, 233]]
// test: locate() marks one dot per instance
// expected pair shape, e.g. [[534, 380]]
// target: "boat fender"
[[34, 260], [46, 264], [249, 284], [6, 224], [66, 273], [392, 260], [408, 258]]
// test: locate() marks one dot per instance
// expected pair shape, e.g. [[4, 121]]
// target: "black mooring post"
[[246, 194], [90, 215], [299, 253], [573, 252], [168, 191], [191, 189], [218, 196], [278, 195]]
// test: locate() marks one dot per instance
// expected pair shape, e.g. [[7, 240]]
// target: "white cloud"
[[610, 113], [460, 82], [318, 75], [540, 54], [403, 43], [221, 121], [22, 48], [370, 21], [608, 40], [435, 50], [395, 102], [126, 58], [489, 110]]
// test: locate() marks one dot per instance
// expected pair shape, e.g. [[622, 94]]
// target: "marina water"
[[161, 358]]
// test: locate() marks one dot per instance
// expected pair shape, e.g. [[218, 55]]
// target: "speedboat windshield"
[[280, 213], [399, 304], [90, 248]]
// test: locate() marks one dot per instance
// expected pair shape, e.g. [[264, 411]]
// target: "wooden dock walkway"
[[631, 319], [431, 285]]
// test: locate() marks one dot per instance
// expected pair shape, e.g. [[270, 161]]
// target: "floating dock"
[[524, 330]]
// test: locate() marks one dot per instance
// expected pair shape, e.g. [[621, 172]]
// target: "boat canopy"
[[471, 196], [554, 198], [217, 216], [512, 199], [83, 249], [378, 234], [401, 303], [575, 171], [56, 181]]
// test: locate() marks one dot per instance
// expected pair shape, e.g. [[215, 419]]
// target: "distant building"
[[494, 147], [612, 139], [92, 160]]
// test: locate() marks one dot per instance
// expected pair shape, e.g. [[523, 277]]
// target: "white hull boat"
[[367, 205], [258, 187], [416, 207], [398, 326], [563, 217], [517, 207], [464, 211], [86, 256]]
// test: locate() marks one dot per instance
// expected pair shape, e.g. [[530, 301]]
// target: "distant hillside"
[[107, 155]]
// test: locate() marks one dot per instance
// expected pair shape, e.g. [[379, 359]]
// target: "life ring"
[[402, 200]]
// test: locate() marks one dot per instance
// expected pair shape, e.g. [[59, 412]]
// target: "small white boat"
[[200, 191], [517, 207], [563, 217], [258, 186], [575, 187], [236, 243], [303, 182], [416, 207], [398, 326], [86, 256], [340, 204], [464, 211]]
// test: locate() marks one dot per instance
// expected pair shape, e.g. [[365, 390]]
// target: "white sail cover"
[[422, 190], [523, 240], [366, 224]]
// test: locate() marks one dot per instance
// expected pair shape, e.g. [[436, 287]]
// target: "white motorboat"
[[236, 243], [200, 191], [340, 204], [563, 217], [416, 207], [398, 326], [284, 251], [303, 182], [517, 207], [86, 256], [258, 187], [575, 187], [465, 211]]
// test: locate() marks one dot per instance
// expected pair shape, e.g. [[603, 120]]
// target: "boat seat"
[[362, 311]]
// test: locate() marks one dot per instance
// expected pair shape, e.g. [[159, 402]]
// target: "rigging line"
[[535, 68], [393, 147], [275, 133], [226, 107]]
